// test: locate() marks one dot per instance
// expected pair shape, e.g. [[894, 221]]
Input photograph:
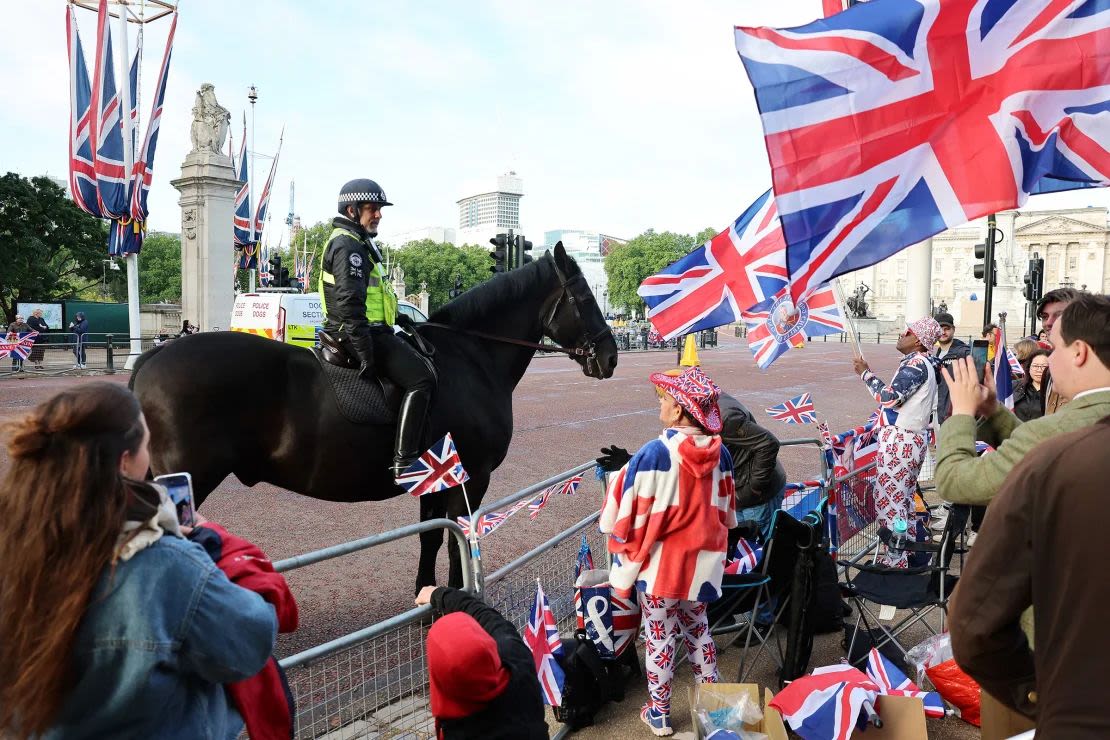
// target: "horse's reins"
[[589, 349]]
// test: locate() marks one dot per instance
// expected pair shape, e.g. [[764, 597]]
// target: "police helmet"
[[357, 192]]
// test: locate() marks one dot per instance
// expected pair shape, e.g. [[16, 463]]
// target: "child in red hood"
[[482, 675], [668, 512]]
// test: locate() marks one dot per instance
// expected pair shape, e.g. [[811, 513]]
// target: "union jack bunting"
[[827, 704], [797, 410], [742, 266], [17, 344], [242, 223], [895, 120], [567, 488], [584, 560], [891, 680], [774, 329], [745, 559], [491, 521], [436, 470], [542, 637]]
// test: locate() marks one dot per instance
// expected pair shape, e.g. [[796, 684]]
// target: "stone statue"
[[856, 304], [210, 121]]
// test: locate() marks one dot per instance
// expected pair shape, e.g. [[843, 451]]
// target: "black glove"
[[613, 458], [363, 345]]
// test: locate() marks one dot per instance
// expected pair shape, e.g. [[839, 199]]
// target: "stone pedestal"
[[208, 186]]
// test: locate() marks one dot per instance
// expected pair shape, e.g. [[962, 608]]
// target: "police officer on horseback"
[[360, 309]]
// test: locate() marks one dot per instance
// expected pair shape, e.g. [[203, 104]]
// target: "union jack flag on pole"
[[264, 196], [797, 410], [773, 329], [895, 120], [742, 266], [242, 222], [542, 636], [82, 176], [112, 169], [17, 344], [436, 470], [143, 174]]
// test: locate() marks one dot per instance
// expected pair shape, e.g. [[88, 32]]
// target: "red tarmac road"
[[561, 419]]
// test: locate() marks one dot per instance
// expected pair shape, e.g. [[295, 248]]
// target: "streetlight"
[[605, 298], [106, 265], [252, 95]]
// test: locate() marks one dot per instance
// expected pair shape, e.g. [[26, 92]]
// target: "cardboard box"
[[771, 724], [999, 721], [903, 719]]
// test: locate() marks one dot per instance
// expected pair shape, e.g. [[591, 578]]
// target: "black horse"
[[229, 402]]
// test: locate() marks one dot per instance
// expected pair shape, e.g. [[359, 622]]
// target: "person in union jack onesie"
[[906, 406], [667, 512]]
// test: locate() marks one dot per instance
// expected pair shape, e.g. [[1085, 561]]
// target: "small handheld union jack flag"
[[436, 470], [542, 636], [17, 344], [797, 410], [567, 487], [745, 559]]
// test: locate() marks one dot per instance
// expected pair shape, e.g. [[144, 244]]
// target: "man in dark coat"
[[949, 349], [756, 471], [482, 675]]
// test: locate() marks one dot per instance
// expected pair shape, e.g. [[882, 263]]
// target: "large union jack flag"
[[82, 176], [894, 120], [776, 327], [542, 636], [436, 470], [742, 266], [264, 196], [828, 703], [17, 344], [242, 222], [143, 173]]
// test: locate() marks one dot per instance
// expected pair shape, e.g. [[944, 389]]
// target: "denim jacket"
[[161, 635]]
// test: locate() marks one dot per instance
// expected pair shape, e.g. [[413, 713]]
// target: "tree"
[[437, 264], [49, 248], [160, 269], [628, 264]]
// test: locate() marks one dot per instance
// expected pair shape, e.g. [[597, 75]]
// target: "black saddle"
[[376, 401]]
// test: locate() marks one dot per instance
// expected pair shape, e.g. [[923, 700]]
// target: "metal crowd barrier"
[[372, 682], [57, 354]]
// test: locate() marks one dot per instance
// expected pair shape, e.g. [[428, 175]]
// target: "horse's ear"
[[560, 255]]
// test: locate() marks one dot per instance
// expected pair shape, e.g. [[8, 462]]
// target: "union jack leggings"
[[664, 620], [901, 453]]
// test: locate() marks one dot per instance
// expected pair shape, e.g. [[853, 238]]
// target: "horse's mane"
[[506, 289]]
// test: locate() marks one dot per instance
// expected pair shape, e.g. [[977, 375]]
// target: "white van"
[[294, 318]]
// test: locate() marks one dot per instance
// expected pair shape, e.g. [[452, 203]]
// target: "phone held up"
[[979, 349], [179, 486]]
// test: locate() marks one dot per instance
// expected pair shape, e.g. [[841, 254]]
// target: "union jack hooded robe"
[[667, 513]]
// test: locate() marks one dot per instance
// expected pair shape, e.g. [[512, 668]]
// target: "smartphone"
[[179, 486], [979, 355]]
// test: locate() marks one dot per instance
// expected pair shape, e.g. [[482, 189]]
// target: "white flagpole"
[[850, 320]]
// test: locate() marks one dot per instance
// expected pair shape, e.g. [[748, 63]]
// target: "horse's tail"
[[142, 361]]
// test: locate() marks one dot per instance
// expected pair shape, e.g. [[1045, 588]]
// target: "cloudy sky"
[[619, 115]]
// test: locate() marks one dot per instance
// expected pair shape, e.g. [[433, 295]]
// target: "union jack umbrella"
[[567, 488], [775, 328], [542, 637], [436, 470], [895, 120], [17, 344], [742, 266], [797, 410]]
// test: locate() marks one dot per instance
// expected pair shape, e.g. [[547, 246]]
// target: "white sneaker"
[[971, 538], [939, 524]]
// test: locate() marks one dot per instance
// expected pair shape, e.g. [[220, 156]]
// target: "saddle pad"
[[360, 401]]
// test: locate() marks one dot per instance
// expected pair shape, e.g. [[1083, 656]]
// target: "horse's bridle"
[[586, 349]]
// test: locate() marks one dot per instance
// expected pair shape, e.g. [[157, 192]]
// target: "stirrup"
[[401, 464]]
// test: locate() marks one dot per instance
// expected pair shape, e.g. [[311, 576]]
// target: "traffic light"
[[502, 258], [1034, 280], [981, 253], [275, 272], [457, 290], [520, 254]]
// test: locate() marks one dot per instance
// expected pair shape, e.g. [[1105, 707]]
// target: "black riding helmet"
[[357, 192]]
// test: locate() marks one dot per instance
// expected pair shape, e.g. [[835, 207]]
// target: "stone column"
[[208, 187], [919, 279]]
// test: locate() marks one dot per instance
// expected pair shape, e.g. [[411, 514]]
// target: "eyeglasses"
[[1042, 368]]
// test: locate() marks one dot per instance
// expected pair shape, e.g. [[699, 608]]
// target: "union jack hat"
[[927, 331], [696, 393]]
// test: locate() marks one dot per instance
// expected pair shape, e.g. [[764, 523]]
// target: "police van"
[[290, 317]]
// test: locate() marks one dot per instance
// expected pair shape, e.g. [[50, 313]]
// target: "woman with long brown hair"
[[112, 623]]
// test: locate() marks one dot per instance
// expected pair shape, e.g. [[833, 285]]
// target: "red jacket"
[[263, 700]]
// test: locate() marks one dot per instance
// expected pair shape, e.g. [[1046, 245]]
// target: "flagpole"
[[851, 323]]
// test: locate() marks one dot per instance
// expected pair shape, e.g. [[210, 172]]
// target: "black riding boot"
[[410, 430]]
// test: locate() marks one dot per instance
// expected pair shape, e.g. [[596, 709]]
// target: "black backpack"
[[590, 681]]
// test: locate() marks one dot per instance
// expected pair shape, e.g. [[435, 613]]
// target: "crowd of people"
[[147, 627]]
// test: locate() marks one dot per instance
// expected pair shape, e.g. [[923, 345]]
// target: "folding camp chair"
[[919, 590], [743, 595]]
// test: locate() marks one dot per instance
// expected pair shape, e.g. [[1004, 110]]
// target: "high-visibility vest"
[[381, 301]]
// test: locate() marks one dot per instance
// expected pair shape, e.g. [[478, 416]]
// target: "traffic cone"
[[689, 353]]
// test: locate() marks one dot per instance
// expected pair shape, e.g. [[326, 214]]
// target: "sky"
[[619, 116]]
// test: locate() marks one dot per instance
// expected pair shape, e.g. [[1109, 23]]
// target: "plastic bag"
[[932, 651], [957, 688], [732, 712]]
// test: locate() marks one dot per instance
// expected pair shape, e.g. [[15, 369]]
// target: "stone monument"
[[208, 186]]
